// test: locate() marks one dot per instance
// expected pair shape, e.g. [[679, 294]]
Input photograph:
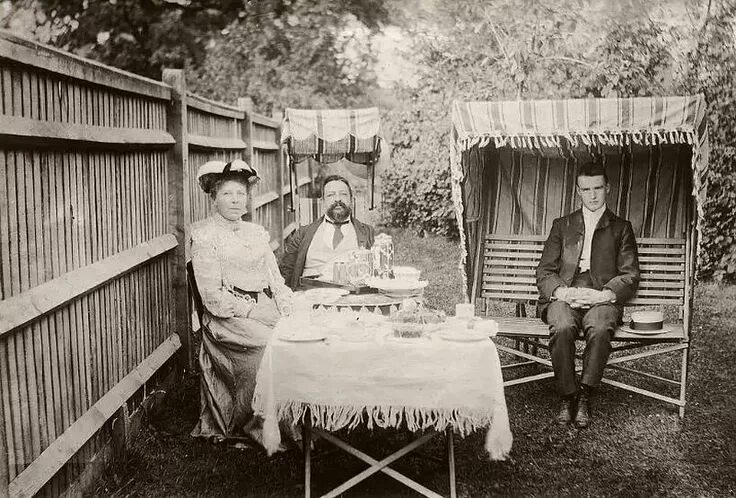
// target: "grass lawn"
[[634, 447]]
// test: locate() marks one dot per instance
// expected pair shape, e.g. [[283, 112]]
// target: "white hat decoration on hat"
[[220, 167], [235, 165]]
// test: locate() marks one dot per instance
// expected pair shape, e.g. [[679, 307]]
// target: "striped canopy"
[[328, 135], [513, 164]]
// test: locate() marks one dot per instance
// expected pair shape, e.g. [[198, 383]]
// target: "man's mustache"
[[338, 203]]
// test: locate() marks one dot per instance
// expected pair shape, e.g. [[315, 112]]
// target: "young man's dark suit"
[[297, 244], [614, 264]]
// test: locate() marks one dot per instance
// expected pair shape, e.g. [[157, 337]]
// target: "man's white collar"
[[587, 213]]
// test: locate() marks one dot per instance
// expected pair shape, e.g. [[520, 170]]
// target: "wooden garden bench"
[[509, 266]]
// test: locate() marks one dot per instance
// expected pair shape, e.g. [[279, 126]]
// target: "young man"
[[588, 270], [312, 249]]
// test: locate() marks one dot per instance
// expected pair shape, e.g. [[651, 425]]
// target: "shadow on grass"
[[635, 446]]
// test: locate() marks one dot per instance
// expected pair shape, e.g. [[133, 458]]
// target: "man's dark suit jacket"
[[297, 244], [614, 261]]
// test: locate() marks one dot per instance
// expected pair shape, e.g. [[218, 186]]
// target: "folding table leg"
[[451, 460], [307, 450]]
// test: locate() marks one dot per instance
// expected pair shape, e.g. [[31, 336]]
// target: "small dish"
[[464, 336], [299, 337]]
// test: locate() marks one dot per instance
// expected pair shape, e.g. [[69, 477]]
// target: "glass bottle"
[[383, 256]]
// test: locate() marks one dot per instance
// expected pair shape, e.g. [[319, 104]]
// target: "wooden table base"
[[375, 465]]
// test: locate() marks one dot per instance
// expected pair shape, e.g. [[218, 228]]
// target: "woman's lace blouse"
[[234, 254]]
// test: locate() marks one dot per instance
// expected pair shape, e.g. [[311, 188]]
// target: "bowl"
[[406, 273], [411, 330]]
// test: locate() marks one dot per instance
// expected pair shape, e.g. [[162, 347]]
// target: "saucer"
[[628, 329]]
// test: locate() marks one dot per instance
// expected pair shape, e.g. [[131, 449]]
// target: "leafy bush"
[[420, 198]]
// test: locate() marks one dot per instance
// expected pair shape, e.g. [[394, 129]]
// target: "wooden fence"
[[97, 189]]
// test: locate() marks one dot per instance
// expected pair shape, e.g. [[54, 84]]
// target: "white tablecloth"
[[419, 383]]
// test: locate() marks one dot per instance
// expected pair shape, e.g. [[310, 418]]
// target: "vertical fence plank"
[[53, 236], [4, 418], [177, 188], [7, 452], [62, 318], [5, 209], [6, 82], [246, 105], [21, 361], [278, 170]]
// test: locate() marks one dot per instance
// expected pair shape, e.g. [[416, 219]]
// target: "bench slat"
[[653, 267], [510, 297], [636, 301], [675, 277], [678, 251], [513, 262], [515, 247], [505, 271], [526, 238], [511, 279], [666, 259], [646, 284]]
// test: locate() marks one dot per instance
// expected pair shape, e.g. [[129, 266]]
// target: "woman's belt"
[[252, 294]]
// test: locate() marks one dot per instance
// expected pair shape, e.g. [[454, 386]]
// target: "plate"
[[325, 295], [398, 287], [469, 336], [297, 337], [628, 329]]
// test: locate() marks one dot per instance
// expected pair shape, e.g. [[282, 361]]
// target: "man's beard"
[[340, 216]]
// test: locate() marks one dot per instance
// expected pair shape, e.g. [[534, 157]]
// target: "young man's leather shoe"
[[582, 414], [564, 416]]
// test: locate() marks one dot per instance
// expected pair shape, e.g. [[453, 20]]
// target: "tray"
[[314, 283]]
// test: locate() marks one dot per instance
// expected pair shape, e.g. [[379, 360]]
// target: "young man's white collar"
[[594, 216]]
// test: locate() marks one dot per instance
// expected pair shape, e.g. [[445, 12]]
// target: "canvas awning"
[[328, 135], [513, 162]]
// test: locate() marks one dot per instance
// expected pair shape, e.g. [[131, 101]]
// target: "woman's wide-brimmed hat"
[[212, 169]]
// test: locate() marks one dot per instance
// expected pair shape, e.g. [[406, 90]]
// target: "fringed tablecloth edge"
[[333, 418]]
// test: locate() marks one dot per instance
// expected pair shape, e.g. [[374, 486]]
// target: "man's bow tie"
[[337, 223]]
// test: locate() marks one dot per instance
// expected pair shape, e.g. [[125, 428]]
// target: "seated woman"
[[243, 294]]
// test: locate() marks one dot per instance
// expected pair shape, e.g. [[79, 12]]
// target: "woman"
[[243, 294]]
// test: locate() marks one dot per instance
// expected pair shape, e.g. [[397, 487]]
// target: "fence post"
[[278, 116], [246, 132], [178, 192]]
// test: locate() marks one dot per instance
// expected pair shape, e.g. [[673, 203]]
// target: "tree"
[[141, 36], [305, 54], [504, 49], [710, 69]]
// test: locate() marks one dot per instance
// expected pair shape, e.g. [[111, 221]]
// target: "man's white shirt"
[[321, 255], [591, 219]]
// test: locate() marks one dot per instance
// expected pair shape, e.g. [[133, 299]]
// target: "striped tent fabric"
[[328, 135], [513, 164]]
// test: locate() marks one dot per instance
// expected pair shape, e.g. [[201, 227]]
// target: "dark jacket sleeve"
[[548, 271], [288, 258], [371, 236], [625, 284]]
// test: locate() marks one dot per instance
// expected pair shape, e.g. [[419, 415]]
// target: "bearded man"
[[311, 250]]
